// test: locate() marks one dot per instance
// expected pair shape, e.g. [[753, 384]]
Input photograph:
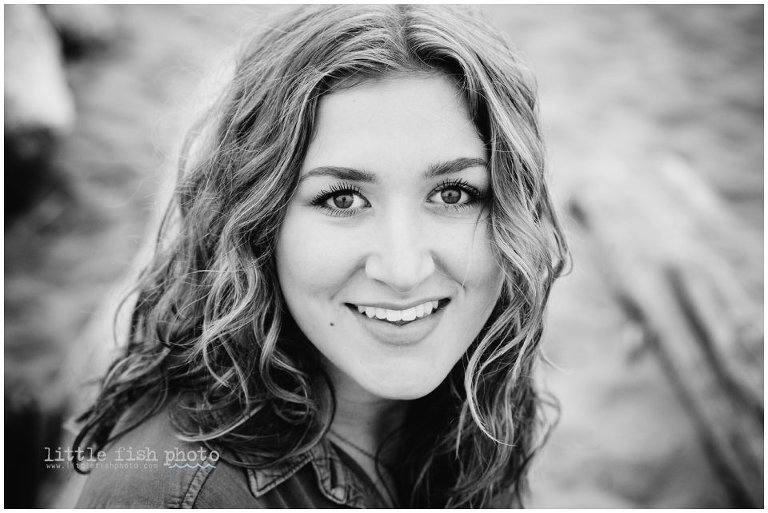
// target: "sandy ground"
[[633, 81]]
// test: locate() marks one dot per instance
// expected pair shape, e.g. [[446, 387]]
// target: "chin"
[[402, 387]]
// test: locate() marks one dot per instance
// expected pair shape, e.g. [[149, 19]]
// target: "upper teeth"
[[417, 312]]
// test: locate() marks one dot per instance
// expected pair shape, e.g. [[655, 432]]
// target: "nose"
[[401, 258]]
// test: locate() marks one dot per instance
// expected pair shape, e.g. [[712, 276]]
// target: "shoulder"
[[149, 467]]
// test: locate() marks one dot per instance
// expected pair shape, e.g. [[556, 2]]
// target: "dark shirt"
[[149, 467]]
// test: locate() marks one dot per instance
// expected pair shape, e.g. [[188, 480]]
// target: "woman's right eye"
[[341, 201], [345, 200]]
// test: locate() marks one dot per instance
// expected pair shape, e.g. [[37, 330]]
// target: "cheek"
[[474, 266], [312, 260], [466, 252]]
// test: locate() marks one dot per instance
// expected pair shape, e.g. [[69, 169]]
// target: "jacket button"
[[339, 492]]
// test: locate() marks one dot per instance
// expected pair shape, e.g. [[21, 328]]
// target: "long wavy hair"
[[210, 336]]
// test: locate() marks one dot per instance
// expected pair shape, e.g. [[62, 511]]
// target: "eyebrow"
[[342, 173], [358, 175], [453, 166]]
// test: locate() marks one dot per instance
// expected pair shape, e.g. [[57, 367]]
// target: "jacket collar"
[[335, 479]]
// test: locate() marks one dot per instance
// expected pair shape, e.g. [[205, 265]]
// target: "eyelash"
[[475, 195], [320, 200], [323, 196]]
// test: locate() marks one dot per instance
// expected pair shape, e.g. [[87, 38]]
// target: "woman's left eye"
[[454, 194]]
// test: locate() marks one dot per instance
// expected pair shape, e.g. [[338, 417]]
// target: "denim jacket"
[[149, 467]]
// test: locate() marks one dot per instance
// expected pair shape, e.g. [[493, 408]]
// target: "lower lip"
[[392, 334]]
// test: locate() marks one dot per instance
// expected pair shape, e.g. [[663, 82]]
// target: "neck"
[[364, 419], [367, 424], [362, 423]]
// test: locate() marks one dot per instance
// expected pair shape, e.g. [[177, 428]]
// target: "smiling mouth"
[[399, 317]]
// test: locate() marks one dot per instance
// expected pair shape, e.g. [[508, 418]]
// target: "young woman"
[[346, 302]]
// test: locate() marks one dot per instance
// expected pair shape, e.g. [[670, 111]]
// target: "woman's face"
[[384, 257]]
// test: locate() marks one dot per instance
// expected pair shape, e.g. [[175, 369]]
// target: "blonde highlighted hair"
[[211, 338]]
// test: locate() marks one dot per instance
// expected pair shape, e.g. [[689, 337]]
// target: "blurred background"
[[654, 121]]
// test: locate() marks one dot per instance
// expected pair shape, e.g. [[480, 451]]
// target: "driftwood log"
[[681, 266], [39, 108]]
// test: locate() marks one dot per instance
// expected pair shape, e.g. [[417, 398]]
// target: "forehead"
[[401, 121]]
